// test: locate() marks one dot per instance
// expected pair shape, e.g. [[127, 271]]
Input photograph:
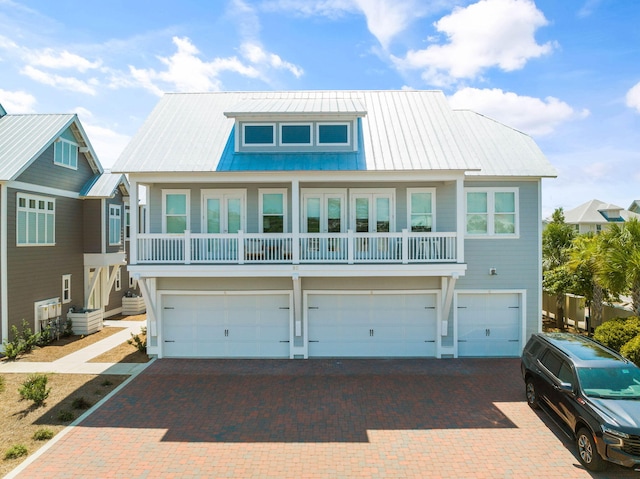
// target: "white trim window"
[[65, 153], [273, 210], [127, 223], [333, 134], [115, 225], [35, 220], [492, 212], [295, 134], [258, 134], [118, 281], [66, 288], [175, 211], [421, 210]]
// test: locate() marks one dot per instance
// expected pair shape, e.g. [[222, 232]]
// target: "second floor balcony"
[[402, 247]]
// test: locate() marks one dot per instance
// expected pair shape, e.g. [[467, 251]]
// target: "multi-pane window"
[[65, 153], [258, 134], [115, 224], [421, 210], [272, 211], [36, 217], [492, 212], [175, 211], [66, 288]]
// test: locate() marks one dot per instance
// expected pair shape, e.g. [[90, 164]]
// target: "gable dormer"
[[287, 125]]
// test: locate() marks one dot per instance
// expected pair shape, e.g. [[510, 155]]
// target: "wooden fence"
[[576, 313]]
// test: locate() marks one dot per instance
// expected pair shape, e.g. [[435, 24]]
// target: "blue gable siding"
[[293, 161]]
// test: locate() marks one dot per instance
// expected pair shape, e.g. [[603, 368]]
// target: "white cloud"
[[633, 97], [57, 81], [107, 143], [387, 18], [15, 102], [531, 115], [49, 58], [257, 55], [489, 33]]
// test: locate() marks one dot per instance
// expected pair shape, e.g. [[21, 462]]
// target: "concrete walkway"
[[78, 362]]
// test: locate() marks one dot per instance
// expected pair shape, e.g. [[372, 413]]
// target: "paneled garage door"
[[372, 325], [489, 324], [226, 325]]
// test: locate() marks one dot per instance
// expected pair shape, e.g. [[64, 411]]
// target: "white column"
[[462, 220], [133, 222], [295, 221], [4, 291]]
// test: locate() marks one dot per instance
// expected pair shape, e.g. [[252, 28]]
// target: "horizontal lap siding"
[[35, 272], [517, 261]]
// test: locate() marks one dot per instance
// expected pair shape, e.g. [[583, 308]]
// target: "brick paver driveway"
[[462, 418]]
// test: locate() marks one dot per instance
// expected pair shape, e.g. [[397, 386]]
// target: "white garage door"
[[226, 326], [372, 325], [489, 324]]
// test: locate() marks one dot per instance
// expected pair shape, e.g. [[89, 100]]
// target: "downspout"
[[4, 287]]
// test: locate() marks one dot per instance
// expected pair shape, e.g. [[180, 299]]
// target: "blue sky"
[[566, 72]]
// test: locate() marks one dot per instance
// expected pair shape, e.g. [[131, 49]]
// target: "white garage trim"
[[438, 309], [163, 293], [523, 311]]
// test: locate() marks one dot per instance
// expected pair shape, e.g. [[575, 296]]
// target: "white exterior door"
[[223, 211], [372, 325], [489, 324], [247, 325]]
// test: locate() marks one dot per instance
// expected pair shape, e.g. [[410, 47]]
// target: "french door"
[[324, 212], [223, 211], [373, 212]]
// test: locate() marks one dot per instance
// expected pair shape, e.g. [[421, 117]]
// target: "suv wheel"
[[532, 395], [587, 451]]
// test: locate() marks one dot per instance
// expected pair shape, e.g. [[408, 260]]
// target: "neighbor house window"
[[118, 281], [254, 134], [127, 223], [66, 288], [175, 211], [273, 211], [65, 153], [132, 282], [492, 211], [421, 209], [295, 134], [36, 218], [115, 224], [333, 133]]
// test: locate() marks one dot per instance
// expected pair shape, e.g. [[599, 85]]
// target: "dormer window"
[[333, 133], [258, 134], [295, 134]]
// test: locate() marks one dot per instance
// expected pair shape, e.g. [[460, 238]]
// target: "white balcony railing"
[[350, 248]]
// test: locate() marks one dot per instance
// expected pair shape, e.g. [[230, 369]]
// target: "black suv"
[[594, 392]]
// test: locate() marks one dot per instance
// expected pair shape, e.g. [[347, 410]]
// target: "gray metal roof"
[[592, 211], [402, 131], [105, 185], [24, 137]]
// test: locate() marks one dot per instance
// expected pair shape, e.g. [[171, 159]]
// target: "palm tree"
[[619, 268], [584, 262], [556, 241]]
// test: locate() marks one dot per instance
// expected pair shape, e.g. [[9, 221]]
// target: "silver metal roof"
[[24, 137], [402, 131], [591, 212], [105, 185]]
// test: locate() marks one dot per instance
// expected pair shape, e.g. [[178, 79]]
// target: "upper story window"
[[492, 212], [258, 134], [273, 210], [333, 133], [421, 209], [115, 224], [175, 211], [65, 153], [35, 220], [298, 134]]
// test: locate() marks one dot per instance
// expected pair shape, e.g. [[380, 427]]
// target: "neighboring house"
[[635, 207], [595, 215], [335, 224], [62, 222]]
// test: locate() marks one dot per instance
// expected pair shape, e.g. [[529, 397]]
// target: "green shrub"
[[35, 389], [65, 416], [81, 403], [617, 332], [139, 343], [15, 451], [42, 434], [631, 350], [28, 338], [21, 341]]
